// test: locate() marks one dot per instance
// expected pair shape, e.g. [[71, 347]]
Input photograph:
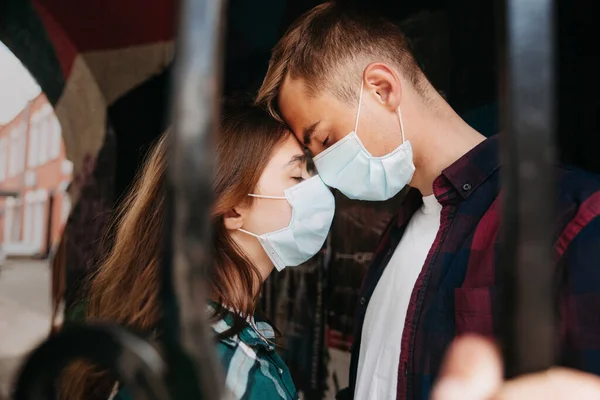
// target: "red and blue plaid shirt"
[[456, 293]]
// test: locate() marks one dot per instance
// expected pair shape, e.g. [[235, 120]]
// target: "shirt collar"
[[461, 179], [255, 334], [458, 181]]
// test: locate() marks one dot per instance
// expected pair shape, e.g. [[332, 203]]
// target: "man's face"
[[320, 121]]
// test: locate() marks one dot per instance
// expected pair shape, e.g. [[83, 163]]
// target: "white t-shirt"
[[377, 374]]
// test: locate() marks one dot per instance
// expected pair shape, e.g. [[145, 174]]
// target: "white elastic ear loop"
[[249, 233], [401, 124], [362, 82], [260, 196]]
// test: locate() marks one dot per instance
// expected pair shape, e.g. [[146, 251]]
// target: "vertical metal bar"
[[527, 86], [196, 99]]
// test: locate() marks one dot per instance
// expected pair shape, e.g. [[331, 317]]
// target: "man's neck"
[[442, 141]]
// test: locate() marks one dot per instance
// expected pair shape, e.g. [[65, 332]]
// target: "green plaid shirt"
[[253, 369]]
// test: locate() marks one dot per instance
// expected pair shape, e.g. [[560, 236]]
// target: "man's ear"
[[234, 220], [383, 81]]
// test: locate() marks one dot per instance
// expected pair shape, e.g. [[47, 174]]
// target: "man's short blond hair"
[[329, 47]]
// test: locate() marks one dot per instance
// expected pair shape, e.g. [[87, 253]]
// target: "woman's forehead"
[[288, 155]]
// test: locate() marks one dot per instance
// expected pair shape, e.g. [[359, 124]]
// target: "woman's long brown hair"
[[125, 289]]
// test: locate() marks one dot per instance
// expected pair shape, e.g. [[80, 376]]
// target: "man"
[[349, 88]]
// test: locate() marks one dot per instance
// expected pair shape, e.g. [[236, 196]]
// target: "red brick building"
[[33, 166]]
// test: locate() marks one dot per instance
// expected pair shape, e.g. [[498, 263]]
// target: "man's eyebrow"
[[298, 158], [309, 132]]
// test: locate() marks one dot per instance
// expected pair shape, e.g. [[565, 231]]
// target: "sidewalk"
[[25, 312]]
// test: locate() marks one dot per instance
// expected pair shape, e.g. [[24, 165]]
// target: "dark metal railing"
[[197, 88], [527, 86]]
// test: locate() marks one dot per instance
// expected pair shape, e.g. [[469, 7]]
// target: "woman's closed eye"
[[298, 178]]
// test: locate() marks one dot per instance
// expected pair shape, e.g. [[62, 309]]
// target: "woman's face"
[[286, 168]]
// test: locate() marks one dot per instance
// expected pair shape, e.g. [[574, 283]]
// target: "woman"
[[268, 213]]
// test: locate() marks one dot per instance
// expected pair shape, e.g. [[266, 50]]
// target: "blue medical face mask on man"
[[349, 167], [313, 207]]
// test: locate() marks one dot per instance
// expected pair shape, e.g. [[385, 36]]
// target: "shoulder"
[[253, 370], [576, 185], [578, 193], [578, 206], [246, 346]]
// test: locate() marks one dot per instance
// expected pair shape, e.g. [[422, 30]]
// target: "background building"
[[33, 165]]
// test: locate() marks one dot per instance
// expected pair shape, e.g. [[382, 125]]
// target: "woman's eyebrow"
[[297, 159]]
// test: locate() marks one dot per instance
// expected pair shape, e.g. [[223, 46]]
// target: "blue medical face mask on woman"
[[349, 167], [313, 207]]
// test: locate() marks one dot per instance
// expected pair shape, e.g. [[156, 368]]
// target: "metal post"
[[527, 84], [195, 372]]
